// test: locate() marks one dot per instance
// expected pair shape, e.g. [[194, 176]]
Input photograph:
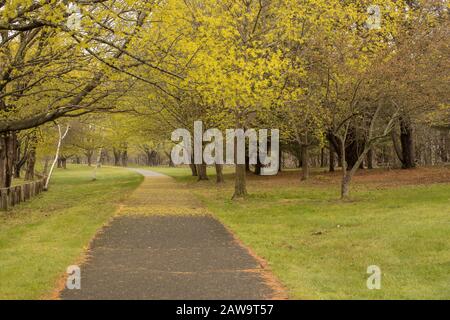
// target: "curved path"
[[164, 245]]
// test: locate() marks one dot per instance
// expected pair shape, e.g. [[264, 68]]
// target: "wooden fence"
[[9, 197]]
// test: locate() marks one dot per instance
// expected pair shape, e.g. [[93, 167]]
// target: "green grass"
[[320, 247], [41, 238]]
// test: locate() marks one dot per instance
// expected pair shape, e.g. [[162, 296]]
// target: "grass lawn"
[[41, 238], [320, 247]]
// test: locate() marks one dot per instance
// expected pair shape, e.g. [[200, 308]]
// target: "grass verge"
[[41, 238]]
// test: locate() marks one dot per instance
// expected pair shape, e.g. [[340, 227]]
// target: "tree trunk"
[[117, 155], [258, 166], [31, 159], [62, 136], [219, 173], [193, 170], [89, 155], [4, 181], [18, 161], [8, 142], [305, 162], [280, 159], [171, 164], [322, 157], [407, 143], [124, 158], [370, 156], [240, 186], [332, 157], [443, 146], [348, 174], [201, 172], [247, 163], [98, 164]]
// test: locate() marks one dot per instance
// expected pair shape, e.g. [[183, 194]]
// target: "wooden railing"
[[9, 197]]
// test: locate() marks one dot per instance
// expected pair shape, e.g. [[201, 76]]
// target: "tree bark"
[[247, 163], [124, 158], [240, 185], [31, 159], [62, 136], [89, 155], [305, 162], [98, 164], [322, 157], [117, 155], [407, 143], [193, 170], [219, 173], [332, 157], [8, 142], [370, 156], [202, 173], [18, 160]]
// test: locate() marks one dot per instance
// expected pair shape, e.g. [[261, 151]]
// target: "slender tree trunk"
[[62, 136], [345, 184], [3, 159], [98, 164], [280, 159], [240, 185], [247, 163], [332, 157], [201, 172], [117, 155], [7, 158], [89, 155], [18, 163], [124, 158], [322, 157], [348, 176], [407, 143], [193, 170], [305, 162], [31, 159], [447, 146], [219, 173], [370, 156]]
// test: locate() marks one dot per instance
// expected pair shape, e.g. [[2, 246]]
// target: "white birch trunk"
[[58, 148]]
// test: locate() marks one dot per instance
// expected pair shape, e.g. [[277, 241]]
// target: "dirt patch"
[[376, 178]]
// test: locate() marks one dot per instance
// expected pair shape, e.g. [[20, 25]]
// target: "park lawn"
[[320, 247], [41, 238]]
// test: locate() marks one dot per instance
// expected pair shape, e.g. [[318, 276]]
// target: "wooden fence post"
[[9, 197]]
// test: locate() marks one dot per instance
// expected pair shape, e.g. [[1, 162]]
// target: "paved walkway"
[[162, 245]]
